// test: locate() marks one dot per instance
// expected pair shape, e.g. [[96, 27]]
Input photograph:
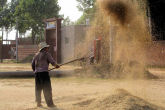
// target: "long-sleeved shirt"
[[41, 60]]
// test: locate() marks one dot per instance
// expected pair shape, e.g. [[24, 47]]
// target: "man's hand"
[[56, 66]]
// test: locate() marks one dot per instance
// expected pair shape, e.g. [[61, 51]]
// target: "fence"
[[26, 50]]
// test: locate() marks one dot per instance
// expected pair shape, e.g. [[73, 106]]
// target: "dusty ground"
[[27, 67], [73, 93], [78, 94]]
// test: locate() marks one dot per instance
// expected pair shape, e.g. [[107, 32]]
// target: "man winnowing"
[[40, 65]]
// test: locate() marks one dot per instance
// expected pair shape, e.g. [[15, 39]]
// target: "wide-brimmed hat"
[[42, 45]]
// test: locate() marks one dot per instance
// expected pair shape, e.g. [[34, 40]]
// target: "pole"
[[2, 47], [111, 47], [112, 31], [68, 62], [111, 41], [16, 41]]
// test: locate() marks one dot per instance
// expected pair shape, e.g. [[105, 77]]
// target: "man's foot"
[[52, 105], [39, 105]]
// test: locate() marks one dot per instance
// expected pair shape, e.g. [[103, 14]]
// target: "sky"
[[68, 8]]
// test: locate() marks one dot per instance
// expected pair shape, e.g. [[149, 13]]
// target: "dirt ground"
[[72, 93], [27, 67], [79, 94]]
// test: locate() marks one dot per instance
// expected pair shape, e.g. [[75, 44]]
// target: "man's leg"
[[38, 88], [47, 90]]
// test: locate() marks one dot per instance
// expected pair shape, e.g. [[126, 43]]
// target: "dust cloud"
[[124, 31]]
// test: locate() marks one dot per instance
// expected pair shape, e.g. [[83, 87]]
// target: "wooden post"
[[53, 37], [97, 50], [58, 40]]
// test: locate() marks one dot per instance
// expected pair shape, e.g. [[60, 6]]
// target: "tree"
[[88, 8], [85, 5], [31, 13], [2, 3], [67, 22], [7, 17]]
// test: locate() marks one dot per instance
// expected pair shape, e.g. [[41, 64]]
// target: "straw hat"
[[42, 45]]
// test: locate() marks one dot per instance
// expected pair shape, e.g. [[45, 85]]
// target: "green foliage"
[[85, 5], [2, 3], [7, 18], [31, 13], [28, 15], [67, 22], [86, 16], [88, 8], [81, 20]]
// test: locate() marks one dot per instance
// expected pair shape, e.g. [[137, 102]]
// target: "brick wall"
[[156, 53], [26, 50]]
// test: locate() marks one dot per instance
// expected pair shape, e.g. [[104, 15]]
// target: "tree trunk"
[[2, 47], [33, 37], [7, 42]]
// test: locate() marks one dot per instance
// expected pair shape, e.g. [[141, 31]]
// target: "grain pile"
[[123, 100]]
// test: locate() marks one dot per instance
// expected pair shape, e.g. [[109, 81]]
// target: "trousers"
[[42, 82]]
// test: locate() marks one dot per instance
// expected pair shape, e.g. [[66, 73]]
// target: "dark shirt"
[[41, 60]]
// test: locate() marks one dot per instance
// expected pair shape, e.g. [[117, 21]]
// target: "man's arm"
[[50, 59]]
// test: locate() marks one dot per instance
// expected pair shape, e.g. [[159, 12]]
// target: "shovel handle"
[[68, 62]]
